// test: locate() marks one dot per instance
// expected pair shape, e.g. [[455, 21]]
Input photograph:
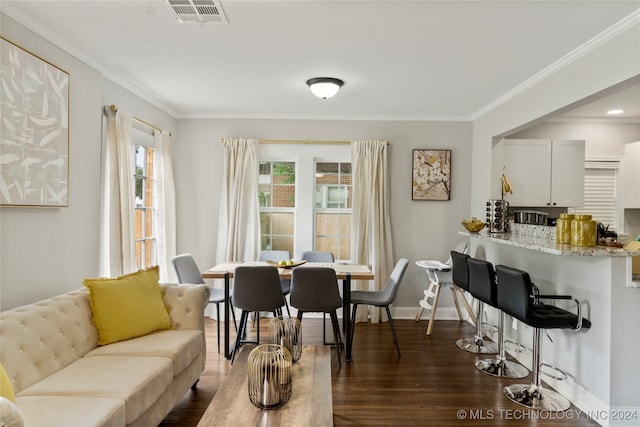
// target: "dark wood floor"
[[433, 384]]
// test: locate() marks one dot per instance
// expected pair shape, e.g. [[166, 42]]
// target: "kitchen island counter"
[[546, 245], [601, 362]]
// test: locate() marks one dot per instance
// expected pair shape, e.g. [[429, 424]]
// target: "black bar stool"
[[482, 282], [475, 344], [520, 298]]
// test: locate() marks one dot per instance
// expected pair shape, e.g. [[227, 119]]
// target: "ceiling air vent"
[[197, 10]]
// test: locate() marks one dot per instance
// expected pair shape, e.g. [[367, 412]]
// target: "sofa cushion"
[[128, 306], [76, 411], [138, 381], [182, 347]]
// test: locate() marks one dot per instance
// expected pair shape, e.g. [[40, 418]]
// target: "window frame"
[[304, 156], [147, 232]]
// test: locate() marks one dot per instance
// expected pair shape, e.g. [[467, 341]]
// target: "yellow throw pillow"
[[127, 307], [6, 388]]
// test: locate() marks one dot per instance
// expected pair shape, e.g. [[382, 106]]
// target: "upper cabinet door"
[[542, 172], [567, 173], [631, 173], [527, 163]]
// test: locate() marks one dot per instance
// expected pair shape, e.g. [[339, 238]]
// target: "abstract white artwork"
[[34, 130]]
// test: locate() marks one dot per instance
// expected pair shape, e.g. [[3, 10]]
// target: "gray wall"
[[47, 251], [421, 229]]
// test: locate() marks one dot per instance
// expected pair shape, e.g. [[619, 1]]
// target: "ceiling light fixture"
[[616, 111], [324, 87]]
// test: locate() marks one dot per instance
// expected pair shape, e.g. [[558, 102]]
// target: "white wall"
[[610, 62], [47, 251], [421, 229], [601, 139]]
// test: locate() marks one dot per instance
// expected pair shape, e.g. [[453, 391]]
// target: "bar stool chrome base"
[[501, 368], [535, 397], [477, 345]]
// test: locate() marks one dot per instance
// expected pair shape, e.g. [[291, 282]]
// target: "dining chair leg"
[[233, 315], [218, 324], [336, 334], [353, 323], [454, 295], [393, 329], [243, 327], [434, 307]]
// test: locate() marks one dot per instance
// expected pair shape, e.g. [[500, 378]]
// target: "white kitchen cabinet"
[[543, 172], [632, 175]]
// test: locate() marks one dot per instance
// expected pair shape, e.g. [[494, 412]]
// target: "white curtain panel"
[[165, 198], [370, 223], [239, 223], [118, 250]]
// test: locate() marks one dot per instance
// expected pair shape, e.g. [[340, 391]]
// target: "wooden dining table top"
[[355, 271]]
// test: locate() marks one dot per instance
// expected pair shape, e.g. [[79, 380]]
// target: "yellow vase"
[[563, 228], [583, 231]]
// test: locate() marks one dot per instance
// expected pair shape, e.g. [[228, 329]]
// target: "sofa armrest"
[[186, 304]]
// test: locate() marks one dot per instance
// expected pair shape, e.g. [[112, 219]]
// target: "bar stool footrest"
[[561, 376], [514, 346], [501, 368], [477, 346], [533, 397]]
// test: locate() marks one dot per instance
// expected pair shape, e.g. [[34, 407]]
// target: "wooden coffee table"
[[310, 403]]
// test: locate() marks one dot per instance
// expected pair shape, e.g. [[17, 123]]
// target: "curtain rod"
[[142, 122], [301, 141]]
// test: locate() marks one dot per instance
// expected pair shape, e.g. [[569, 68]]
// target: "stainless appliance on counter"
[[497, 213], [530, 217]]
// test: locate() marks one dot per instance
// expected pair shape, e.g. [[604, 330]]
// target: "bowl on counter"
[[530, 217], [473, 225]]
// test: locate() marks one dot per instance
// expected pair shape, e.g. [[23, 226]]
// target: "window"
[[144, 204], [277, 201], [600, 182], [332, 208], [316, 214]]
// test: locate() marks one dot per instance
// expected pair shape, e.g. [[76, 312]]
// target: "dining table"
[[344, 272]]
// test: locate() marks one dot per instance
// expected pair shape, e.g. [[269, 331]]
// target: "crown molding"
[[104, 71], [615, 30]]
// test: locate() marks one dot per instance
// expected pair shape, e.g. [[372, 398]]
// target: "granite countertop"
[[537, 238]]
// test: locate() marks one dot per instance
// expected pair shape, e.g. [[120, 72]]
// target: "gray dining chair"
[[382, 298], [255, 289], [188, 272], [277, 255], [320, 256], [315, 290]]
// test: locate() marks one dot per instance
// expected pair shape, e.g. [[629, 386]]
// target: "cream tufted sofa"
[[61, 377]]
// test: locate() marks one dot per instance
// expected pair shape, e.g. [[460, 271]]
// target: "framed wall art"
[[34, 142], [431, 175]]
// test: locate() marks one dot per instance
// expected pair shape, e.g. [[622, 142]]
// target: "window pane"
[[139, 255], [139, 219], [282, 243], [149, 202], [139, 191], [326, 224], [265, 223], [148, 223], [329, 244], [276, 190], [282, 223], [345, 224], [345, 248]]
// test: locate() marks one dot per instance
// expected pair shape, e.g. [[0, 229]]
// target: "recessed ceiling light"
[[616, 111]]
